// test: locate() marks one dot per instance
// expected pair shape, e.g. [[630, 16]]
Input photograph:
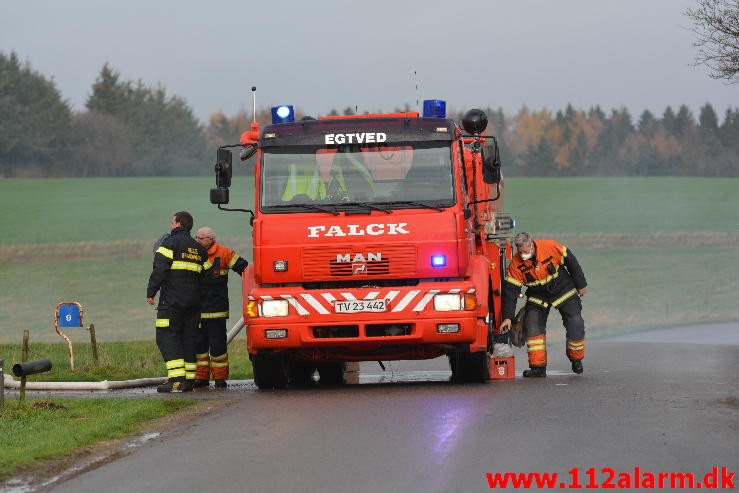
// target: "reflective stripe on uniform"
[[564, 297], [162, 322], [513, 281], [214, 315], [166, 252], [224, 272], [174, 363], [537, 301], [181, 265], [575, 345], [535, 345], [207, 265], [544, 281], [233, 261]]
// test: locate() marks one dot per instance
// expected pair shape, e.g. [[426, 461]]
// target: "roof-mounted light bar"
[[434, 108], [283, 114]]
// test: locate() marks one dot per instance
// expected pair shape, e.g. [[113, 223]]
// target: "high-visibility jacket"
[[348, 177], [177, 274], [304, 179], [221, 259], [551, 277]]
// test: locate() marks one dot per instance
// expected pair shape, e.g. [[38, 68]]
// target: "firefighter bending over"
[[553, 278]]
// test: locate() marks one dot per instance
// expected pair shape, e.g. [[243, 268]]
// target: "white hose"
[[11, 383]]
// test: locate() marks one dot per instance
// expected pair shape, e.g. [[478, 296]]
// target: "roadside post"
[[94, 344], [25, 367], [2, 384]]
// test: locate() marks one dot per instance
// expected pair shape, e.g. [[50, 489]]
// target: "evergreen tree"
[[683, 121], [708, 120], [36, 130], [167, 139], [647, 124], [669, 121]]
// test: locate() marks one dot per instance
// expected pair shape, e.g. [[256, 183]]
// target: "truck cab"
[[376, 237]]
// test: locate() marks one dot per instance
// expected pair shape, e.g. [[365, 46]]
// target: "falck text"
[[374, 229]]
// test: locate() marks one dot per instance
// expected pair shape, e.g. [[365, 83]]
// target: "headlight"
[[447, 302], [274, 308]]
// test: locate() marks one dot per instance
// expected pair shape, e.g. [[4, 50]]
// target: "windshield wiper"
[[425, 205], [322, 208], [368, 205]]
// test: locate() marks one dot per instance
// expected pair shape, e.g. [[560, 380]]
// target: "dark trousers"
[[212, 336], [535, 321], [535, 324], [178, 340]]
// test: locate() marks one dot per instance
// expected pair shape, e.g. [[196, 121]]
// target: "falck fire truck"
[[377, 237]]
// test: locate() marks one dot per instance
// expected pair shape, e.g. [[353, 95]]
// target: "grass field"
[[656, 251], [51, 429]]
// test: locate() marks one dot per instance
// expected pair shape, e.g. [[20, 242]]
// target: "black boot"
[[535, 372], [174, 385], [577, 366], [199, 384]]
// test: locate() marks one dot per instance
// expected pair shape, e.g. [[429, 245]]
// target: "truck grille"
[[325, 262]]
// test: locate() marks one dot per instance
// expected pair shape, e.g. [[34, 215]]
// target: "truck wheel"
[[470, 367], [270, 371], [331, 374], [300, 373]]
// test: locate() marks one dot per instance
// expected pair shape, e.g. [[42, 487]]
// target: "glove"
[[504, 338]]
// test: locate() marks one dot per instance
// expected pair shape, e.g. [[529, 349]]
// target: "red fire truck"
[[377, 237]]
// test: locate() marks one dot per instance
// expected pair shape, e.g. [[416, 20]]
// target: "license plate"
[[357, 306]]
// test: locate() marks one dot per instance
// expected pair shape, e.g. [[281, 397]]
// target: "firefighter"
[[303, 179], [179, 263], [212, 348], [553, 278]]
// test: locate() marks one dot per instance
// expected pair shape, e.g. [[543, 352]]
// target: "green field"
[[656, 251]]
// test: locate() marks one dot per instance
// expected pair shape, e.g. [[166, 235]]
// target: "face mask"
[[527, 256]]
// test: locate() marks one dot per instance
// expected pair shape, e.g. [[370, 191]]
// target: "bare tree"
[[716, 23]]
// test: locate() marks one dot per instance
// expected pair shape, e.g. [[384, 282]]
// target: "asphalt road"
[[659, 402]]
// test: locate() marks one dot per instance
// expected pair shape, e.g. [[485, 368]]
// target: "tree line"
[[131, 129]]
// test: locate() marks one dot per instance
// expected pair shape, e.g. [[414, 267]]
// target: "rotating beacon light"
[[434, 108], [283, 114]]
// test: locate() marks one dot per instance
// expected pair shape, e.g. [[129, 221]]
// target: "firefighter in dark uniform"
[[553, 278], [212, 348], [179, 263]]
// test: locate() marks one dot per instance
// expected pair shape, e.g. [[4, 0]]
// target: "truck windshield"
[[398, 175]]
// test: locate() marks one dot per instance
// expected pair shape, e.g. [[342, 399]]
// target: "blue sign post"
[[68, 314]]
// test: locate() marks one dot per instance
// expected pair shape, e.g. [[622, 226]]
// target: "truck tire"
[[331, 374], [270, 371], [470, 367], [300, 373]]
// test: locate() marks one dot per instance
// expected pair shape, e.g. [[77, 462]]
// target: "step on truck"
[[376, 237]]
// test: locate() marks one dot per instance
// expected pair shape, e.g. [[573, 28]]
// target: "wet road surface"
[[660, 405]]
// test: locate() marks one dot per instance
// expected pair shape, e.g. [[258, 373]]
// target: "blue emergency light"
[[434, 108], [283, 114], [438, 260]]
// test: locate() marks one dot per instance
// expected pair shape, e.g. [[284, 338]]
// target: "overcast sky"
[[319, 55]]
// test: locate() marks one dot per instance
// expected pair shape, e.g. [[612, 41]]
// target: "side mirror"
[[224, 169], [219, 195], [247, 152], [491, 163]]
